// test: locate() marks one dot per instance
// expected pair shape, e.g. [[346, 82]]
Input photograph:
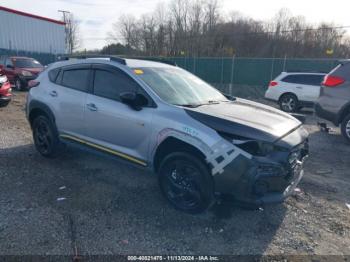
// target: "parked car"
[[294, 90], [163, 118], [5, 90], [20, 70], [334, 101]]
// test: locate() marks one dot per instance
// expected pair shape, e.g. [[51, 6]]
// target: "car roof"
[[131, 63]]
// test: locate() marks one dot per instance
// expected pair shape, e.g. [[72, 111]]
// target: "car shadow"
[[116, 208]]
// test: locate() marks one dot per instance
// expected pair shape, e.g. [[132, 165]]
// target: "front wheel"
[[186, 183], [289, 103], [345, 127], [45, 137]]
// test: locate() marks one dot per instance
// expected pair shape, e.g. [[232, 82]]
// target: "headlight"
[[3, 79], [26, 73], [257, 148]]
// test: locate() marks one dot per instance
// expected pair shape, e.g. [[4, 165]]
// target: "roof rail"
[[305, 71], [112, 58], [344, 61], [154, 59]]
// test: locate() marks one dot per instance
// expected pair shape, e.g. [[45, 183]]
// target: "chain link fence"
[[248, 77]]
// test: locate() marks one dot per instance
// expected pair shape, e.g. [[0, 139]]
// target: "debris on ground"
[[61, 199], [324, 127], [62, 188], [348, 205]]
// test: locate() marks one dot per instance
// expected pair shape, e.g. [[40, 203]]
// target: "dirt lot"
[[112, 208]]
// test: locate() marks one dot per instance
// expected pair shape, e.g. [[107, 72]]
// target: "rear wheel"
[[45, 137], [345, 127], [289, 103], [186, 183]]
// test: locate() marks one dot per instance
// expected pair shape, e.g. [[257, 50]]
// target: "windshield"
[[27, 63], [179, 87]]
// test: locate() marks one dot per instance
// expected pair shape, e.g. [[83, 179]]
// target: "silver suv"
[[334, 101], [200, 143]]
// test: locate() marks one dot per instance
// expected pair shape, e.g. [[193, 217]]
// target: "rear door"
[[311, 86], [113, 124], [305, 86], [67, 95]]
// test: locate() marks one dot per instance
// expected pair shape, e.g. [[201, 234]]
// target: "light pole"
[[66, 30]]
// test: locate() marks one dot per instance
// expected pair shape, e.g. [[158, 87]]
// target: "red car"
[[20, 70], [5, 90]]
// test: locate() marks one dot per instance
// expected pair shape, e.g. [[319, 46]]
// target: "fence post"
[[284, 63], [222, 71], [232, 74], [194, 65], [272, 68]]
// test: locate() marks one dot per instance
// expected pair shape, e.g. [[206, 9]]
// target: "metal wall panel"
[[23, 33]]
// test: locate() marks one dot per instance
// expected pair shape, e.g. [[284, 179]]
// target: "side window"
[[8, 62], [53, 74], [314, 80], [76, 79], [290, 79], [304, 79], [110, 84]]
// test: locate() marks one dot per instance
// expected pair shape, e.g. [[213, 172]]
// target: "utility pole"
[[66, 27]]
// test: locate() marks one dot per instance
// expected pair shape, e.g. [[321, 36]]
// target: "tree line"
[[198, 28]]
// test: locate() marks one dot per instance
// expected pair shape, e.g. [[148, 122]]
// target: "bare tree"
[[73, 40]]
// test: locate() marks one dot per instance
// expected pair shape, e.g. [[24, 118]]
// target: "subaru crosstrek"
[[158, 116]]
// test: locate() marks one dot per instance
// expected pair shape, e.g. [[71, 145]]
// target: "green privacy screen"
[[249, 71]]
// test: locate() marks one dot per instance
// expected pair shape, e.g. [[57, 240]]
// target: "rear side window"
[[304, 79], [110, 84], [53, 74], [76, 79]]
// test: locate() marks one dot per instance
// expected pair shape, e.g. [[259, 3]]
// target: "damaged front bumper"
[[263, 180]]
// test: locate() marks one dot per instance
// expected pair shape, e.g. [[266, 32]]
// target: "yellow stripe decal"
[[113, 152]]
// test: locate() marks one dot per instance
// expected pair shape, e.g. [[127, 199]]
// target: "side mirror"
[[10, 66], [134, 100]]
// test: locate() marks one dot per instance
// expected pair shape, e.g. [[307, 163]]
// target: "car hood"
[[246, 119]]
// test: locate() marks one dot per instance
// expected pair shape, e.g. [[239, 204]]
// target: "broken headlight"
[[255, 148]]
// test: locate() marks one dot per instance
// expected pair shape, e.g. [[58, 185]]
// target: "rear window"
[[304, 79]]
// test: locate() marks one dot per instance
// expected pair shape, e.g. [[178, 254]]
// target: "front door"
[[113, 124]]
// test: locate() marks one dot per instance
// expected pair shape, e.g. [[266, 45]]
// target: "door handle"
[[91, 107], [299, 87], [53, 93]]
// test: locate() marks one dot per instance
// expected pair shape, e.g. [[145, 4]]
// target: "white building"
[[21, 31]]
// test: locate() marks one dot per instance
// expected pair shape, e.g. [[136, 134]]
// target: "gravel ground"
[[112, 208]]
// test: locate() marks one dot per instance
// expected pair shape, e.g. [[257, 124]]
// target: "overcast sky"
[[96, 16]]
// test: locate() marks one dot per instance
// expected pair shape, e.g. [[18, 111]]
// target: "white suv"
[[294, 90]]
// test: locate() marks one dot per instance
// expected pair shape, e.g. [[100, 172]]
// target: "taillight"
[[332, 81], [273, 83]]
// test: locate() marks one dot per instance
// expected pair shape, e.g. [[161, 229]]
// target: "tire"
[[345, 127], [45, 137], [4, 104], [186, 182], [289, 103]]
